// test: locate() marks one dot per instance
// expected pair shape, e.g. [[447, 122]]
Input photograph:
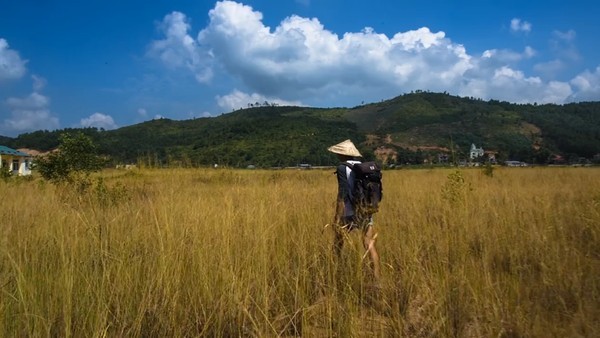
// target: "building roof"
[[30, 152], [9, 151]]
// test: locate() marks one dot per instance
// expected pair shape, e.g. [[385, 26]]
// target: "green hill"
[[409, 128], [264, 136], [522, 132]]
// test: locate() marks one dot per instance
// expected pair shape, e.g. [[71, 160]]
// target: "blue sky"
[[112, 63]]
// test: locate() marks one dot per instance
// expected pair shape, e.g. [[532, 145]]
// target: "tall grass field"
[[248, 253]]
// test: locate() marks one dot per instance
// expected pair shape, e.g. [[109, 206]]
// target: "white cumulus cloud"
[[588, 86], [504, 56], [11, 64], [99, 120], [33, 101], [38, 82], [300, 60], [178, 49], [516, 25], [237, 99], [550, 68], [563, 44], [565, 36], [27, 114], [508, 84]]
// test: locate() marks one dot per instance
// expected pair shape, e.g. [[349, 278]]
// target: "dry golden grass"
[[224, 253]]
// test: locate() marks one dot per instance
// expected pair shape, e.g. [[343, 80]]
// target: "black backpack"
[[368, 190]]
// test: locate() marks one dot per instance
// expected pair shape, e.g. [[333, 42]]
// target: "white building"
[[475, 152], [17, 162]]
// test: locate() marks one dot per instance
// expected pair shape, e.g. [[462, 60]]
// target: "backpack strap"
[[342, 164]]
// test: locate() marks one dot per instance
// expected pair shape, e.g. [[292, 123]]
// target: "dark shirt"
[[345, 178]]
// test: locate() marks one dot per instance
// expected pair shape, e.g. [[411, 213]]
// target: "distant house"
[[442, 158], [475, 152], [19, 163], [491, 155]]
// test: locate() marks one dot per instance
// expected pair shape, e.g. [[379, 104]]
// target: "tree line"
[[268, 135]]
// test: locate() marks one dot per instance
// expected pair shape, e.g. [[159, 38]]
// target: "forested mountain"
[[409, 128]]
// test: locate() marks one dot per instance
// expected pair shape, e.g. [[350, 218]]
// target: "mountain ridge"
[[409, 128]]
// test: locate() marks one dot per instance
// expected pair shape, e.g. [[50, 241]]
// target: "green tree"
[[76, 156], [5, 173]]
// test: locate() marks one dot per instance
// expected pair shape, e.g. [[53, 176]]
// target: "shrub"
[[76, 157], [5, 173], [488, 170]]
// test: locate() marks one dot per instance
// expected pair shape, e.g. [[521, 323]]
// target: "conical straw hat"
[[345, 148]]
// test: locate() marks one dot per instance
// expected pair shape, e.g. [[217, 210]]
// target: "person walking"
[[347, 216]]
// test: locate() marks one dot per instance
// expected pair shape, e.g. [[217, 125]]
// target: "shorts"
[[357, 222]]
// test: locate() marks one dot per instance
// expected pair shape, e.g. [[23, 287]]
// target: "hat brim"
[[346, 148]]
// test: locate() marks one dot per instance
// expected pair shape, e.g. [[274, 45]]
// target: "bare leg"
[[369, 244], [338, 243]]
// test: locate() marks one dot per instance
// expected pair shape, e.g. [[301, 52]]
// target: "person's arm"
[[343, 193]]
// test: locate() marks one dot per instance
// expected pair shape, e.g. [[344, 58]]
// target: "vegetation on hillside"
[[526, 132], [415, 127], [75, 159]]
